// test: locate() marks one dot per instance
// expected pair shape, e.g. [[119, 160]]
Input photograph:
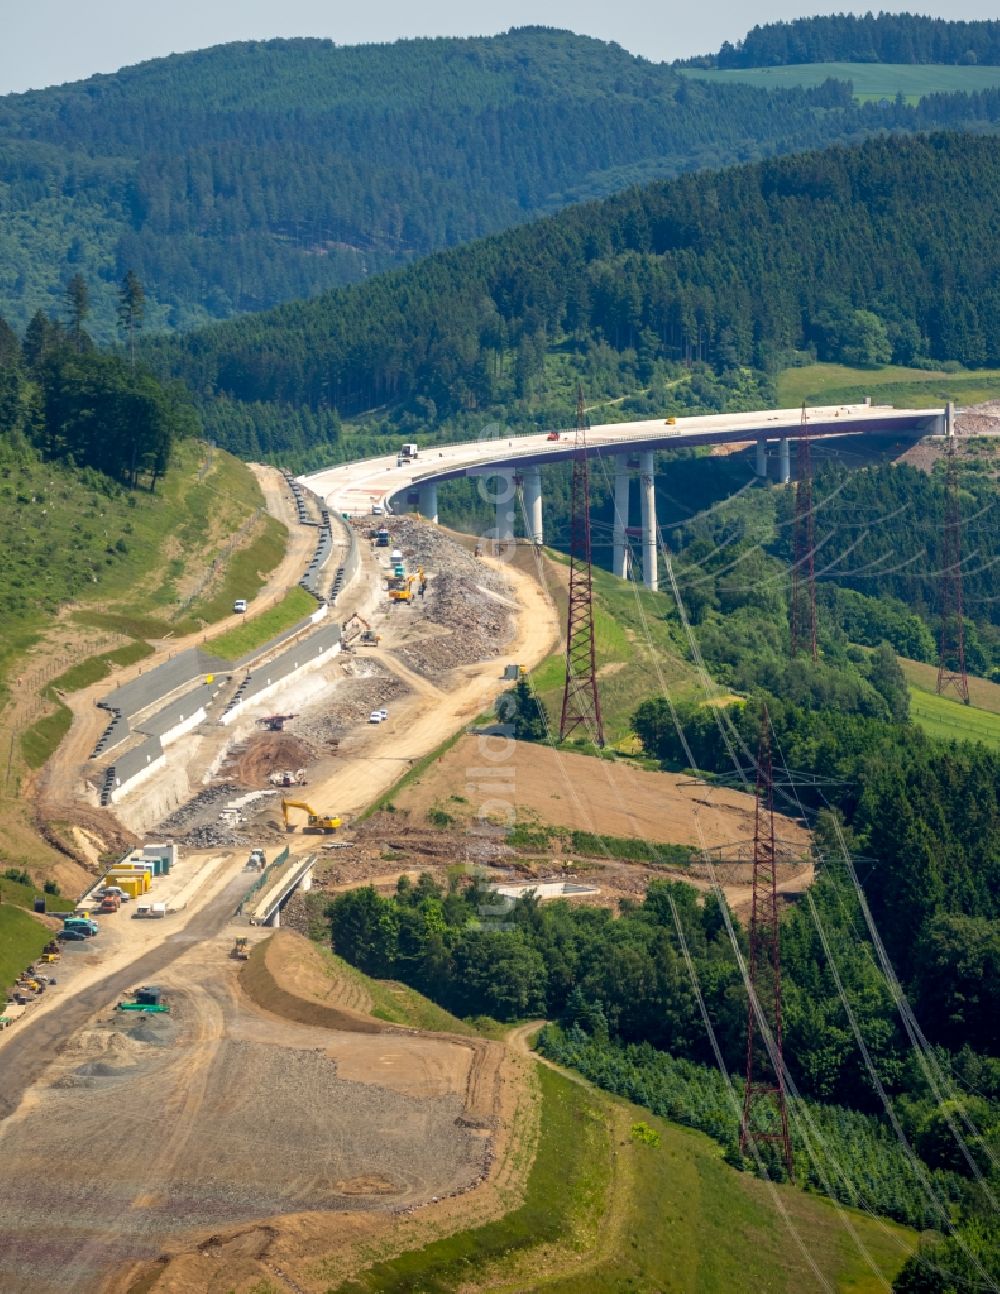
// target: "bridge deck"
[[353, 487], [279, 885]]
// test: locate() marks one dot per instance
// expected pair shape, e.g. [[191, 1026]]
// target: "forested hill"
[[863, 38], [886, 249], [242, 176]]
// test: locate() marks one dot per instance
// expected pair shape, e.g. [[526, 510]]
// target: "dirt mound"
[[264, 753], [287, 976]]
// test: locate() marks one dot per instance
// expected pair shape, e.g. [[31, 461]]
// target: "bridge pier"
[[533, 503], [306, 883], [505, 506], [428, 501], [761, 467], [274, 920], [784, 461], [647, 496], [623, 484]]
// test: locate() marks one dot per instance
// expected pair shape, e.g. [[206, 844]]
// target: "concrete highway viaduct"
[[515, 461]]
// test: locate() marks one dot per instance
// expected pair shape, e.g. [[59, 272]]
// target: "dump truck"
[[318, 823]]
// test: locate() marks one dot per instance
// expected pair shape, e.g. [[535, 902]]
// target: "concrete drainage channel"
[[191, 671]]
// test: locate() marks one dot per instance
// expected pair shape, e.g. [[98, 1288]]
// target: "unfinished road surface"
[[153, 1131]]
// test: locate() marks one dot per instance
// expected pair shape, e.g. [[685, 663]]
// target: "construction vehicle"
[[368, 638], [241, 950], [402, 590], [275, 722], [553, 435], [318, 823], [671, 422], [382, 538]]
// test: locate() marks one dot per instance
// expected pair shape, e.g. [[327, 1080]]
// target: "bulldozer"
[[318, 823], [240, 948]]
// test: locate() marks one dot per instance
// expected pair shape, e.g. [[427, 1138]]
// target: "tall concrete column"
[[762, 456], [306, 883], [533, 503], [784, 461], [649, 536], [505, 519], [428, 504], [623, 484], [949, 418]]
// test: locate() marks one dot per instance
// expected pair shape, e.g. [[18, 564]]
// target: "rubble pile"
[[423, 544], [198, 824], [479, 625], [352, 701]]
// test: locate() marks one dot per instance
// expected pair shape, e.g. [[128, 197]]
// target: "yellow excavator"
[[318, 823], [403, 589]]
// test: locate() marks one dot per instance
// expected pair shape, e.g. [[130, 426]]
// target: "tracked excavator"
[[318, 823]]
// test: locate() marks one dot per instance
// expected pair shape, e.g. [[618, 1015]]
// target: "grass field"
[[254, 632], [983, 694], [909, 387], [871, 80], [23, 896], [22, 938], [605, 1211], [949, 719]]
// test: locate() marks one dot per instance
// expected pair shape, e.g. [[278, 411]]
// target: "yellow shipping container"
[[131, 888], [131, 882]]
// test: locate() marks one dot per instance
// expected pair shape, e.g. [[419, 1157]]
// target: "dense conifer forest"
[[884, 250], [238, 177], [862, 38]]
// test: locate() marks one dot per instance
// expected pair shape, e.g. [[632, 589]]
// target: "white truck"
[[409, 450]]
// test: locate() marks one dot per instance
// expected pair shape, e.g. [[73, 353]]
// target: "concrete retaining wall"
[[310, 651], [157, 684], [134, 766]]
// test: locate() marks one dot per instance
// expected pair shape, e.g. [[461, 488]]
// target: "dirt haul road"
[[436, 712]]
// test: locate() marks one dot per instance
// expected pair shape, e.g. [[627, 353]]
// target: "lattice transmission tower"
[[581, 702], [765, 1109], [803, 603], [951, 640]]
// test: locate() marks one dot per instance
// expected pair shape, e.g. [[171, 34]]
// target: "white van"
[[240, 606]]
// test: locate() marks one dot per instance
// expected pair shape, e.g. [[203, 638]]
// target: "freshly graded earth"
[[153, 1131], [581, 793]]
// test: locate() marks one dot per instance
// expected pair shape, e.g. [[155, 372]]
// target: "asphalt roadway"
[[24, 1060]]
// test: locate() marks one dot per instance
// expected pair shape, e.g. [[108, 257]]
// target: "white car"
[[375, 716], [240, 606]]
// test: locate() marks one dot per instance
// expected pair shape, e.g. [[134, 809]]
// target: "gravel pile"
[[479, 625], [433, 549], [198, 823], [351, 703], [979, 419]]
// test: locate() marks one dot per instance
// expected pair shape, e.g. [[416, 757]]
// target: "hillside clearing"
[[917, 388], [604, 1211], [870, 80], [563, 789], [947, 718]]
